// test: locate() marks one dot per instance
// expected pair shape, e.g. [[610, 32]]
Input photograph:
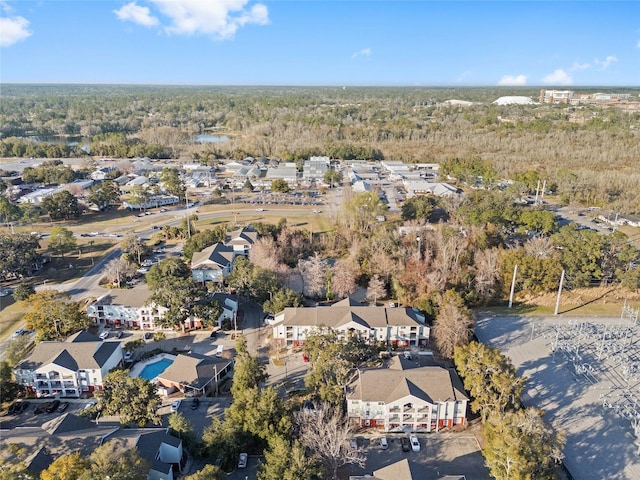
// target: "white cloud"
[[513, 80], [558, 77], [365, 52], [606, 63], [13, 30], [219, 18], [136, 14], [576, 67], [638, 44]]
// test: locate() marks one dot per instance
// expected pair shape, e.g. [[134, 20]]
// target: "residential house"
[[101, 174], [407, 395], [69, 368], [163, 451], [212, 264], [41, 445], [128, 308], [400, 327], [195, 374], [241, 240]]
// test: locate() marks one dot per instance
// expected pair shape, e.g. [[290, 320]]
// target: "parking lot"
[[440, 454]]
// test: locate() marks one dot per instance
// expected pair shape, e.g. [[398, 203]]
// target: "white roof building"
[[515, 100]]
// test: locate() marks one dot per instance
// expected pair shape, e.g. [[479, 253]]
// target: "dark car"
[[20, 407], [63, 406], [41, 408], [195, 403], [406, 445], [214, 334], [53, 406]]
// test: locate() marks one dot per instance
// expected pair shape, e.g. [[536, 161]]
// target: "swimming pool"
[[154, 369]]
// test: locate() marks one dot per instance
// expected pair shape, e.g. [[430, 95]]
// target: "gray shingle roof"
[[216, 256], [70, 355], [193, 370], [339, 315], [242, 236], [128, 297], [429, 383]]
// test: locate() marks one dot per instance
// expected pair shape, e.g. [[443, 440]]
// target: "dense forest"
[[589, 153]]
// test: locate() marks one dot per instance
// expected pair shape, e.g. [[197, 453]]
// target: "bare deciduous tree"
[[344, 279], [450, 245], [454, 324], [118, 269], [539, 247], [265, 254], [326, 433], [313, 271], [376, 289], [487, 272]]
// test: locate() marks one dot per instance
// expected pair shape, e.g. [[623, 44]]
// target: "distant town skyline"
[[324, 42]]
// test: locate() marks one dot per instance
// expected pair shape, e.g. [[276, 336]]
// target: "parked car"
[[119, 333], [383, 443], [415, 444], [53, 406], [195, 403], [406, 446], [148, 335], [17, 407], [104, 335], [128, 356], [63, 406], [17, 333], [242, 461], [175, 406], [353, 443]]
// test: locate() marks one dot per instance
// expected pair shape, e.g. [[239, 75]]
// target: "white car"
[[242, 461], [128, 356], [175, 406], [383, 443], [415, 444], [104, 335], [259, 209]]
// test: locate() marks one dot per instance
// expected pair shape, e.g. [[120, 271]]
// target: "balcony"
[[394, 410]]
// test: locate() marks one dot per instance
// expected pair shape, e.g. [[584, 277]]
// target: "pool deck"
[[138, 367]]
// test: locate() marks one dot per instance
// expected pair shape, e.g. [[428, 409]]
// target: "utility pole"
[[559, 293], [513, 285], [186, 199]]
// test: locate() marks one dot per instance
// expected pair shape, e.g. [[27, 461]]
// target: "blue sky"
[[330, 42]]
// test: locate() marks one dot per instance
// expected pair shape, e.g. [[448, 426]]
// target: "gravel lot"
[[585, 374]]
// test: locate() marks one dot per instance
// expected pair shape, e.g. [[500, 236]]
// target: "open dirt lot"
[[584, 372]]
